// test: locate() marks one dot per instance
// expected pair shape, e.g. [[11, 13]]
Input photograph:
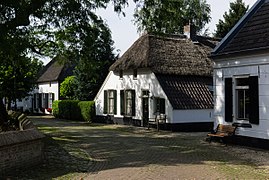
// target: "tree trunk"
[[3, 113]]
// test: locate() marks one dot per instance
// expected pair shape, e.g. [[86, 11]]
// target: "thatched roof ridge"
[[55, 71], [169, 55]]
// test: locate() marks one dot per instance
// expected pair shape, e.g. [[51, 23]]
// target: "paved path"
[[77, 150]]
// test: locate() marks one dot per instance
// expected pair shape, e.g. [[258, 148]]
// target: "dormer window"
[[135, 73]]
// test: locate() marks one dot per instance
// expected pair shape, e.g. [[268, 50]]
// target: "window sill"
[[243, 125]]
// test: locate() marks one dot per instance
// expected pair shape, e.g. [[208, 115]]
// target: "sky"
[[124, 32]]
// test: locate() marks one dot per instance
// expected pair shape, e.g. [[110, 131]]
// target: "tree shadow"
[[100, 147]]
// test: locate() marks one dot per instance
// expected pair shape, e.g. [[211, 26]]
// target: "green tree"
[[67, 88], [34, 28], [170, 16], [236, 11], [94, 61]]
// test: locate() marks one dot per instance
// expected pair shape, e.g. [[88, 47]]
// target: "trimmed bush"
[[87, 109], [55, 109], [74, 110]]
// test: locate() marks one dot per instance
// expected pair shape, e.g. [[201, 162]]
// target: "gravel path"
[[78, 150]]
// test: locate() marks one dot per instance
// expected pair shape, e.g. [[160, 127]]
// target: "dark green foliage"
[[74, 110], [237, 10], [38, 28], [87, 109], [170, 16]]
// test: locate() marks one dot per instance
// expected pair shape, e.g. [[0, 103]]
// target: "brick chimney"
[[190, 32]]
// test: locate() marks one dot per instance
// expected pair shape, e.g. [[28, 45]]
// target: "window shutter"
[[228, 99], [34, 101], [162, 106], [115, 101], [122, 102], [254, 100], [133, 103], [105, 102], [40, 100], [46, 100], [52, 95]]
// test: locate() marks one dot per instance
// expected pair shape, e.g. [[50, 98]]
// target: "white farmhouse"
[[165, 77], [241, 75], [48, 87]]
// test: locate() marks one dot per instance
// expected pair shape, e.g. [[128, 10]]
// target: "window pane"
[[240, 104], [242, 82]]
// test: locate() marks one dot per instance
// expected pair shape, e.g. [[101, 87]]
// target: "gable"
[[251, 34]]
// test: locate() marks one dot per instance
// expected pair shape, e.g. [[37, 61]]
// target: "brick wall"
[[20, 149]]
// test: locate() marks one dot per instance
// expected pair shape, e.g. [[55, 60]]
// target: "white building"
[[48, 88], [166, 76], [241, 75]]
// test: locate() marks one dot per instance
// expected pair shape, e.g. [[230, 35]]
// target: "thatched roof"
[[169, 55], [54, 71]]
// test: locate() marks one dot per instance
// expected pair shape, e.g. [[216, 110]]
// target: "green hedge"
[[74, 110]]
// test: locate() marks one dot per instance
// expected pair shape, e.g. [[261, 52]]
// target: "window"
[[51, 99], [242, 98], [135, 73], [160, 105], [127, 102], [110, 102]]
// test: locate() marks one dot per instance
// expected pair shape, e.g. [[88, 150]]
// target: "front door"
[[145, 110]]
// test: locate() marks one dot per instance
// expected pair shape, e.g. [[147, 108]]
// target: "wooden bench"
[[159, 119], [222, 131]]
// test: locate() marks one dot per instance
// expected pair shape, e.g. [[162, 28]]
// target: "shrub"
[[55, 109], [74, 110], [87, 109]]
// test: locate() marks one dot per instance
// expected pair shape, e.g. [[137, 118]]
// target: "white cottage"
[[48, 87], [168, 77], [241, 75]]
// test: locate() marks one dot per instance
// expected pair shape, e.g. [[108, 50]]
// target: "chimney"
[[190, 32]]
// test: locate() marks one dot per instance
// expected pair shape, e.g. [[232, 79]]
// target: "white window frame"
[[110, 105], [235, 98]]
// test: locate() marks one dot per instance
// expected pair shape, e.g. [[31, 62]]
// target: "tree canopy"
[[170, 16], [236, 11], [49, 28]]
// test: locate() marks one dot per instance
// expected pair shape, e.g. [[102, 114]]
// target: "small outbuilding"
[[161, 77]]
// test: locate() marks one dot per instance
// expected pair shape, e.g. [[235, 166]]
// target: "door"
[[145, 110]]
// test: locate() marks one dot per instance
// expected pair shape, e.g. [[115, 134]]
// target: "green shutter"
[[162, 106], [115, 101], [122, 102], [254, 100], [105, 102], [46, 103], [228, 99], [133, 102]]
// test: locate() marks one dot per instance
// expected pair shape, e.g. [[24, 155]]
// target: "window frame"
[[236, 89], [125, 110]]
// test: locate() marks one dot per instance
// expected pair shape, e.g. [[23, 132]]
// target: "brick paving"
[[77, 150]]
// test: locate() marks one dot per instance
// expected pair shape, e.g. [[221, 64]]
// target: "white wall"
[[253, 66], [193, 116], [47, 87], [146, 80]]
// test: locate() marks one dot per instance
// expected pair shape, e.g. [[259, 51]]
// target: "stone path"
[[77, 150]]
